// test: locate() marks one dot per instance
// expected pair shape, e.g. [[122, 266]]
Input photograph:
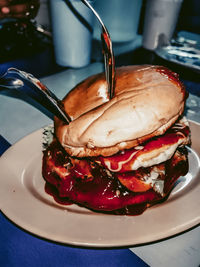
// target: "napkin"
[[20, 248]]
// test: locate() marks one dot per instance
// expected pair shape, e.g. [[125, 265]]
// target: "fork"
[[107, 51]]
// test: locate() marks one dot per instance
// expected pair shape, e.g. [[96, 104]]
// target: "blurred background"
[[29, 43]]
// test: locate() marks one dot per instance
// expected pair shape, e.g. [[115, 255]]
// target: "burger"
[[123, 155]]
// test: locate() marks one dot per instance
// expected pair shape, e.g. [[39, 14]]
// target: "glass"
[[72, 32]]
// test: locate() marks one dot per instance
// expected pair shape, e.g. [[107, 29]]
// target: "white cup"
[[72, 32], [160, 22], [121, 18]]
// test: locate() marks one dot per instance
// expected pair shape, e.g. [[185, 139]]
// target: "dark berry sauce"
[[94, 188]]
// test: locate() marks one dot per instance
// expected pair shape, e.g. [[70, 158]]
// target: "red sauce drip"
[[105, 38], [51, 190], [129, 210], [42, 86], [172, 76]]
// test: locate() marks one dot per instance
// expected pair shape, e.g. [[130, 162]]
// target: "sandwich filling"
[[124, 183]]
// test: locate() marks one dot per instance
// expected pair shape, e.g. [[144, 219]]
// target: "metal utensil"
[[15, 79], [108, 52]]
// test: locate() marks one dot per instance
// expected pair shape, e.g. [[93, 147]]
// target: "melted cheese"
[[163, 156]]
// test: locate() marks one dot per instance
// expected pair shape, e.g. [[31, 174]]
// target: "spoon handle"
[[28, 84]]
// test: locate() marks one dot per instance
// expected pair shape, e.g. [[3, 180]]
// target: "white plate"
[[24, 201]]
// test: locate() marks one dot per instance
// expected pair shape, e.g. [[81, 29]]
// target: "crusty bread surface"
[[147, 101]]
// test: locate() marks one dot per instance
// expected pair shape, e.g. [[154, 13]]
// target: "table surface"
[[23, 117]]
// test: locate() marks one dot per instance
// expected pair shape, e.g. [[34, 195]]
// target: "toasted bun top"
[[147, 101]]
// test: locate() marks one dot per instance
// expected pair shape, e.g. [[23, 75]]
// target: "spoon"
[[15, 79], [108, 52]]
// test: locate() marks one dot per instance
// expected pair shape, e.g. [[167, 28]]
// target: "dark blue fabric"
[[4, 144], [19, 248]]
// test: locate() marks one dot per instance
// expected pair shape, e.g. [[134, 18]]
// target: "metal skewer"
[[108, 53]]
